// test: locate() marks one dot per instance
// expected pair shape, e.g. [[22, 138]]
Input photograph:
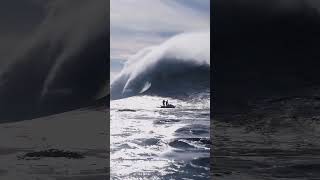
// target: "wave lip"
[[179, 65]]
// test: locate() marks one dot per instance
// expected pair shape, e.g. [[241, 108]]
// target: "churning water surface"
[[148, 142]]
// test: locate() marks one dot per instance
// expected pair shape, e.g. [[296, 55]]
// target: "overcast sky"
[[136, 24]]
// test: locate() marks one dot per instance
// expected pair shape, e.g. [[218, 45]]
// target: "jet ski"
[[168, 106]]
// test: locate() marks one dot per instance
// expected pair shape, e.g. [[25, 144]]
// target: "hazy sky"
[[136, 24]]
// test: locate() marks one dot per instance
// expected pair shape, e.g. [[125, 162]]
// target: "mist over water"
[[176, 67]]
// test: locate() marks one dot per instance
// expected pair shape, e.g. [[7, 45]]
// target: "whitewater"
[[183, 60], [148, 142]]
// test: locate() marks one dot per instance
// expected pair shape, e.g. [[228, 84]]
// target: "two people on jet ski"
[[165, 103]]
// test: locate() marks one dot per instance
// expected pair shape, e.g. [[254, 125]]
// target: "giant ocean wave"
[[177, 67], [62, 66]]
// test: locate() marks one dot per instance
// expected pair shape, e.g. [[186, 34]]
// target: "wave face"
[[177, 67], [62, 66]]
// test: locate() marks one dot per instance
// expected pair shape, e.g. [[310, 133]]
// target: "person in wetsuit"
[[163, 102], [167, 103]]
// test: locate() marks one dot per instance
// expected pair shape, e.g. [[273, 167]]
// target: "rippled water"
[[148, 142], [276, 139]]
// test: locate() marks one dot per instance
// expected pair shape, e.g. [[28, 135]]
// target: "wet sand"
[[81, 132]]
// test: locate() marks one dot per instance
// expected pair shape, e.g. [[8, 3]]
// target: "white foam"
[[187, 48]]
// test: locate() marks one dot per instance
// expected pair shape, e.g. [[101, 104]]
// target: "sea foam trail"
[[177, 66]]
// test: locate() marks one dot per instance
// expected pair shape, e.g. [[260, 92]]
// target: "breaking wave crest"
[[179, 66]]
